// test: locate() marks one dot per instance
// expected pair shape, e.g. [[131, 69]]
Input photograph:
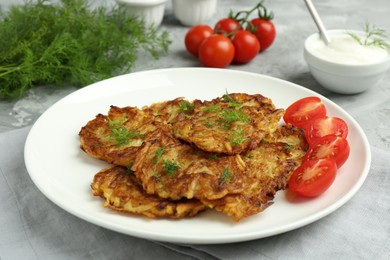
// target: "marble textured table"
[[284, 60]]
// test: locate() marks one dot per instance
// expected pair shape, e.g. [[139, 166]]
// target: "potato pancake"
[[237, 185], [267, 168], [116, 137], [230, 124], [171, 169], [124, 193]]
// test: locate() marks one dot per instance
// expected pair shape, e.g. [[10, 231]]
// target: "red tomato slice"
[[320, 127], [329, 147], [303, 110], [313, 177]]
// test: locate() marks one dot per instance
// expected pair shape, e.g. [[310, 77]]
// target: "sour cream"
[[343, 49]]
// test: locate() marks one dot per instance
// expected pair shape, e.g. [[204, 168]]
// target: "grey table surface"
[[284, 60]]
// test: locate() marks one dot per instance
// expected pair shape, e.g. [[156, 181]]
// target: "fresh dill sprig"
[[228, 99], [185, 107], [237, 137], [171, 167], [67, 42], [288, 147], [374, 36], [213, 108], [159, 152], [226, 176], [230, 116], [214, 156], [120, 134]]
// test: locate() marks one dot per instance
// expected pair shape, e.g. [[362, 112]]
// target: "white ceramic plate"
[[63, 172]]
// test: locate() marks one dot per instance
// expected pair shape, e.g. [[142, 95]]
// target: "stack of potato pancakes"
[[176, 158]]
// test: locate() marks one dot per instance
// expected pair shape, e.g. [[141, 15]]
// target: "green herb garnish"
[[158, 155], [157, 176], [208, 123], [214, 156], [228, 99], [171, 167], [226, 176], [374, 37], [121, 134], [69, 43], [230, 116], [214, 108], [288, 147], [185, 106], [237, 137]]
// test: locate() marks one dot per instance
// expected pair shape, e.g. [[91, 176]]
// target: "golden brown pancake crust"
[[124, 193], [230, 124]]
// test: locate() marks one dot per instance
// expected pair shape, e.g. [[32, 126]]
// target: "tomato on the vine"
[[195, 36], [246, 46], [265, 31], [227, 26], [303, 110], [216, 51], [331, 147], [313, 177], [320, 127]]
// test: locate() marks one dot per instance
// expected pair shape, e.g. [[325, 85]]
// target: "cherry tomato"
[[227, 26], [195, 36], [313, 177], [246, 46], [320, 127], [329, 147], [216, 51], [265, 32], [303, 110]]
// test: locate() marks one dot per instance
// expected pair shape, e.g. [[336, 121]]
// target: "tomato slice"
[[320, 127], [329, 147], [303, 110], [313, 177]]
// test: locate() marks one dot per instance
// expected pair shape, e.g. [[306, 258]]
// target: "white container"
[[192, 12], [353, 71], [150, 11]]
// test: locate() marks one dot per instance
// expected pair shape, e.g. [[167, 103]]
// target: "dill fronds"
[[374, 36], [159, 152], [69, 43], [237, 137], [120, 134], [171, 167]]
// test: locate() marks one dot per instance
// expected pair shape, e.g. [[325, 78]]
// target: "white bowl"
[[150, 11], [343, 73], [192, 12]]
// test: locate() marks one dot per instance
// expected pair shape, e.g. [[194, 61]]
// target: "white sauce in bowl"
[[343, 49]]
